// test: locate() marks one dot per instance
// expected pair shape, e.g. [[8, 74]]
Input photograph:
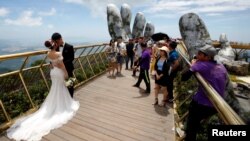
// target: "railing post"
[[80, 63], [24, 63], [4, 111], [44, 78], [96, 60], [102, 52], [27, 92], [89, 61], [23, 82], [42, 73]]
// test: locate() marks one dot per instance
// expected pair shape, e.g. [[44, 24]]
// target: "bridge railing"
[[23, 90], [225, 112]]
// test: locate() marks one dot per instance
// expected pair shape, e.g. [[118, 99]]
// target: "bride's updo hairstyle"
[[48, 44]]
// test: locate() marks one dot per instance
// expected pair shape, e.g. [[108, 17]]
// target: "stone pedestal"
[[237, 67]]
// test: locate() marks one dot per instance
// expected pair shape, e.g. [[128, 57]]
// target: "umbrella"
[[159, 36]]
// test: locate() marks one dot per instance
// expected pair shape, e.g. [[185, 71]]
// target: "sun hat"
[[164, 48], [162, 42]]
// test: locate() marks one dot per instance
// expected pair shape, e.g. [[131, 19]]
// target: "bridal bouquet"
[[70, 82]]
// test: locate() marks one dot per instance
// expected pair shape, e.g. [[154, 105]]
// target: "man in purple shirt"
[[216, 75], [144, 67]]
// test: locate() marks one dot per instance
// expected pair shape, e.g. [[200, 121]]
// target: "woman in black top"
[[162, 75]]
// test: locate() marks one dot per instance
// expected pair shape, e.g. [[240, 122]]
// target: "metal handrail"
[[233, 45], [19, 55]]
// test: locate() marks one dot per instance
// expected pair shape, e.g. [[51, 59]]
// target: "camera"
[[194, 57]]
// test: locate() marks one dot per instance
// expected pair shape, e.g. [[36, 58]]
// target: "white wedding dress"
[[56, 110]]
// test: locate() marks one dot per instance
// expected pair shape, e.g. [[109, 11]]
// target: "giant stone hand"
[[194, 32], [119, 23]]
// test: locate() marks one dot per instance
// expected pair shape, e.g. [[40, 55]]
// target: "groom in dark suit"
[[68, 56]]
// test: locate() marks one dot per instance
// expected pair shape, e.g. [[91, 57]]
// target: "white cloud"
[[25, 19], [214, 14], [50, 26], [3, 11], [162, 15], [170, 7], [75, 1], [49, 13], [98, 7], [198, 6]]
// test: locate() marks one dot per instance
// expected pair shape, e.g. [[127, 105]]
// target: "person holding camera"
[[58, 107]]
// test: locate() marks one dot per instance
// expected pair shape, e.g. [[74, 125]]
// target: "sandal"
[[156, 101], [163, 103]]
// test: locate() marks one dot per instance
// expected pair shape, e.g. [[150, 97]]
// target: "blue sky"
[[86, 21]]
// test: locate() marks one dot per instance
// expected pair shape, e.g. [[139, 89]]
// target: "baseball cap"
[[208, 50]]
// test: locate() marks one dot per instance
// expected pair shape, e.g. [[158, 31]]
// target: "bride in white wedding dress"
[[56, 110]]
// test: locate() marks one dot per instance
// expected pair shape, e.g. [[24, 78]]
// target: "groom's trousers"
[[71, 89]]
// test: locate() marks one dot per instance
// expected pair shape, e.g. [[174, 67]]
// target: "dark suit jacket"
[[68, 58]]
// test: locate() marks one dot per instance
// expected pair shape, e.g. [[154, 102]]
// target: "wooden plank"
[[135, 113], [127, 113], [164, 126], [128, 129], [43, 139], [124, 117], [129, 119], [4, 138], [102, 128], [66, 135], [79, 133], [82, 132], [128, 92], [124, 103], [133, 95], [53, 137]]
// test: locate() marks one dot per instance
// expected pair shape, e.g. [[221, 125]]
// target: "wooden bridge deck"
[[112, 110]]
